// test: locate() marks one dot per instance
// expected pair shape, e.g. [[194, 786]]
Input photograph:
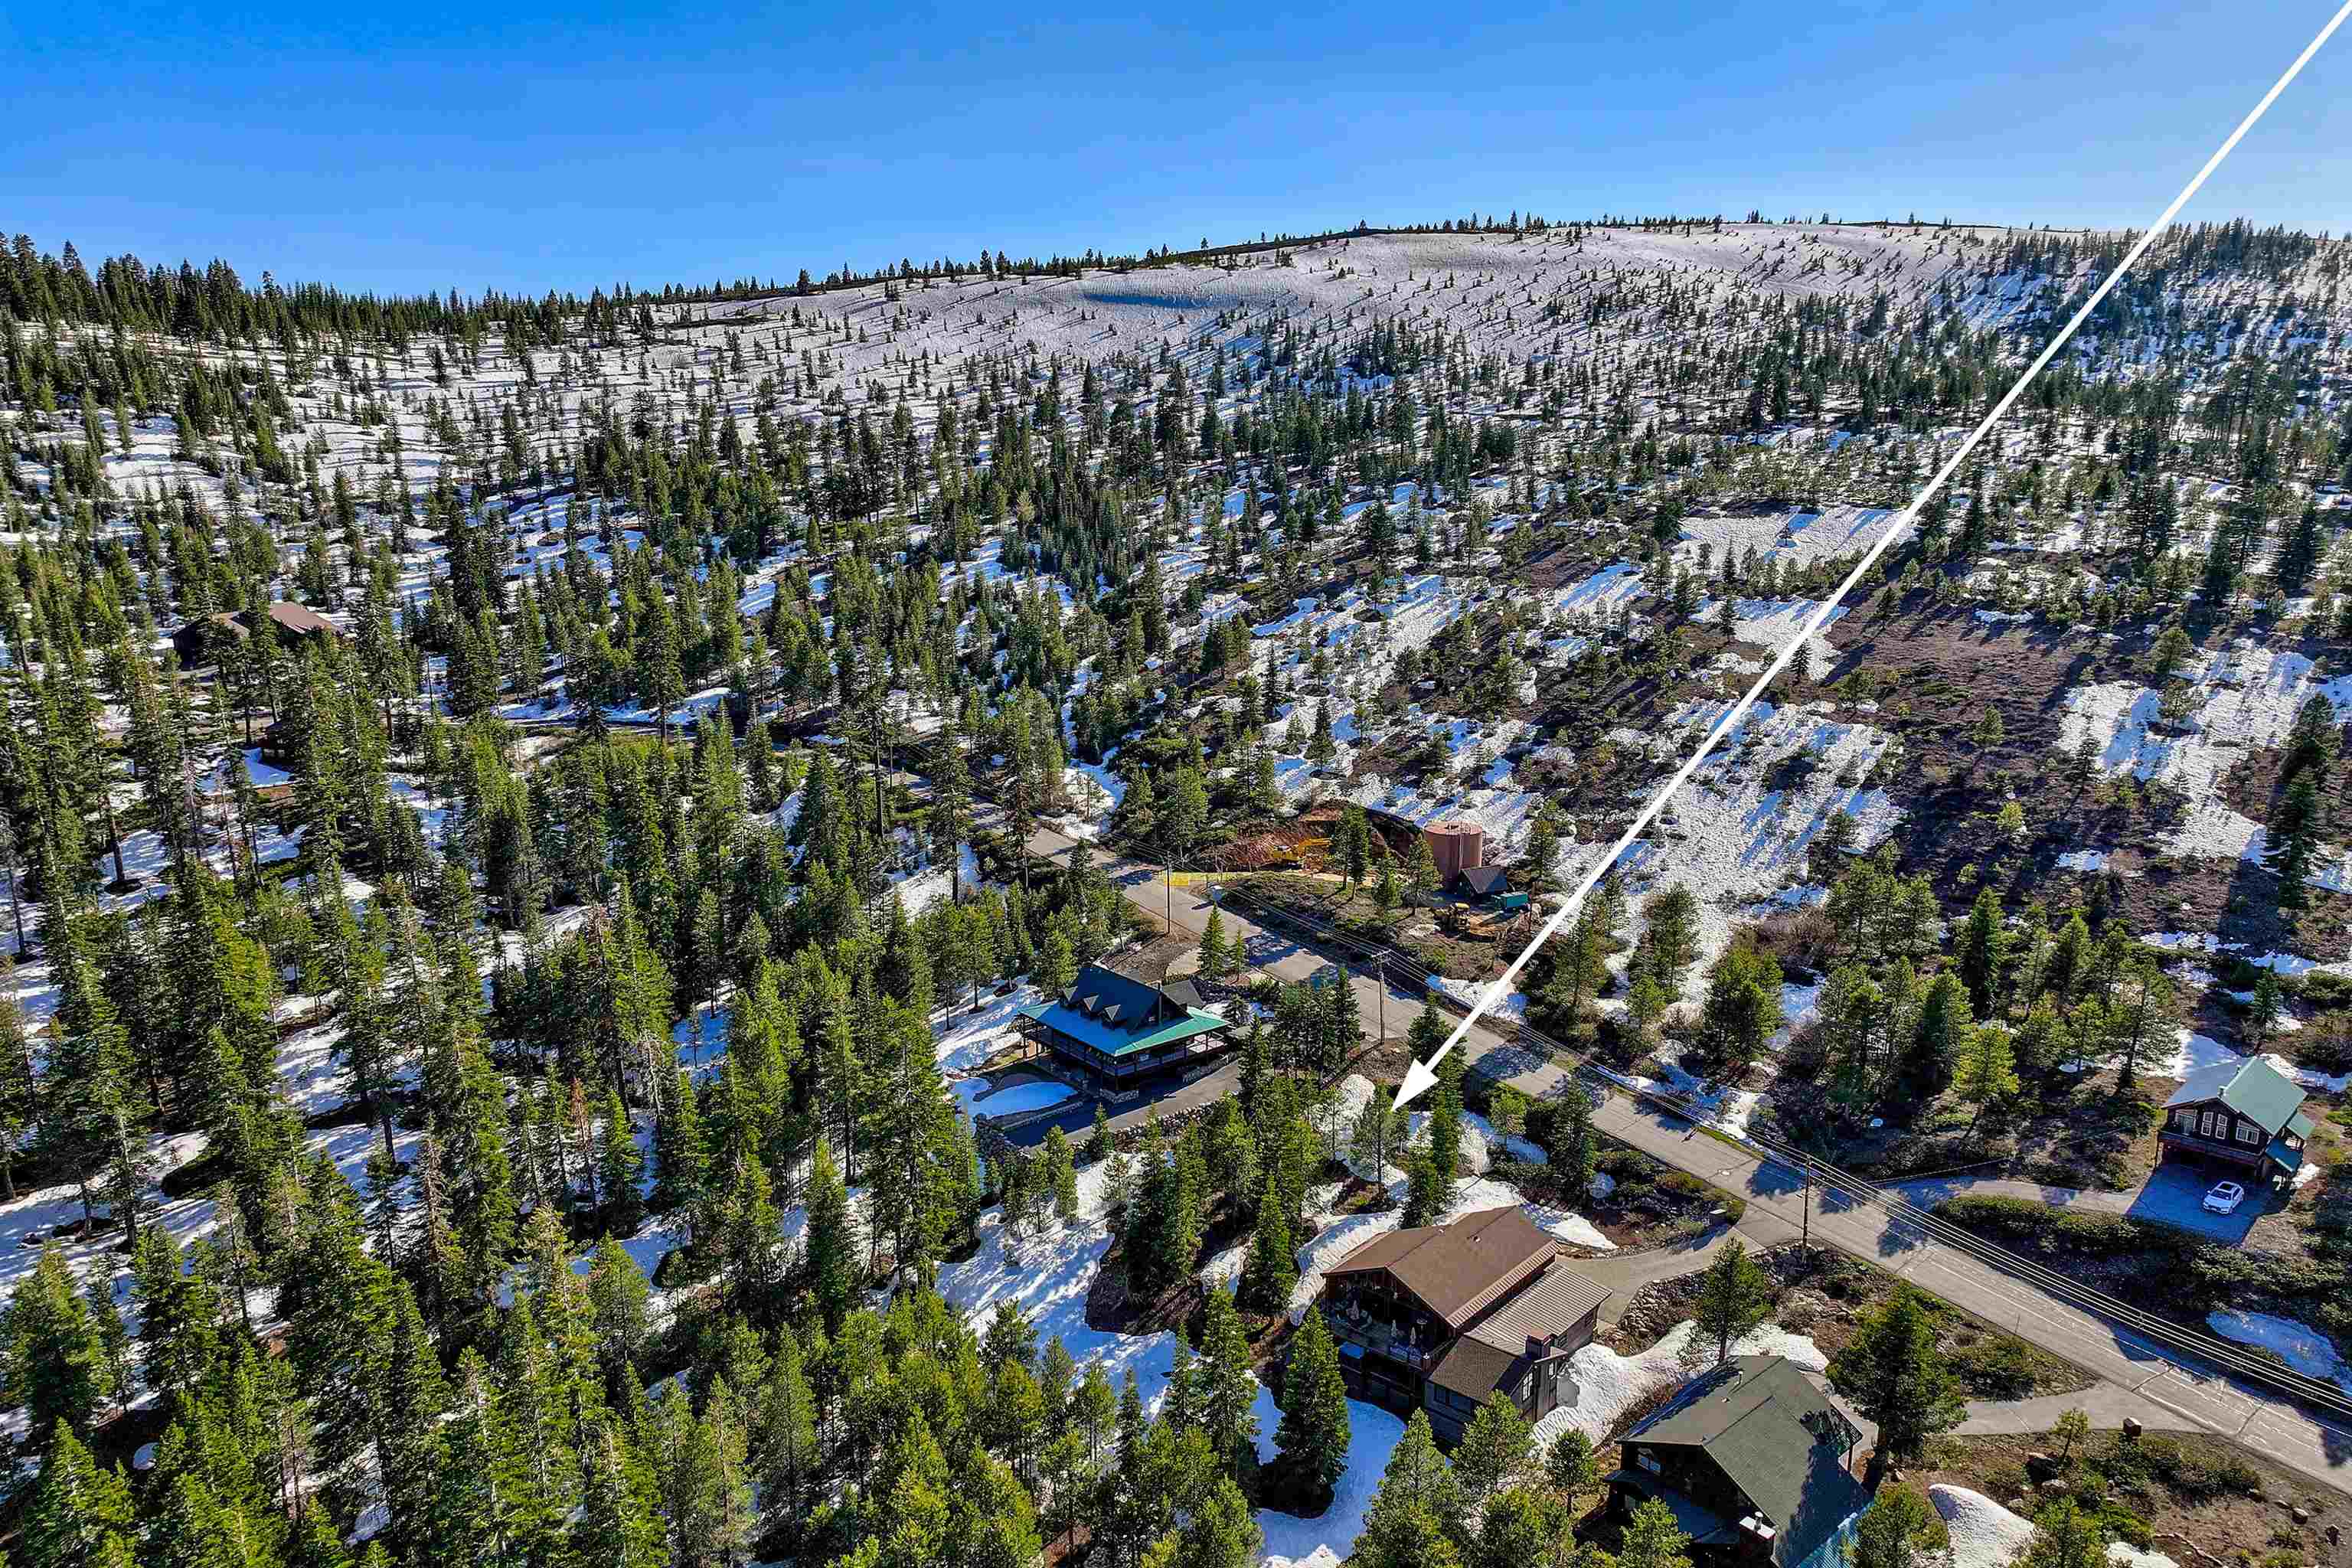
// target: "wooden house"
[[2247, 1115], [1447, 1317], [1755, 1462]]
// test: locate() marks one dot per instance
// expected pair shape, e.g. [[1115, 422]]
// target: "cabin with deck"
[[1447, 1317], [1120, 1030], [1755, 1460]]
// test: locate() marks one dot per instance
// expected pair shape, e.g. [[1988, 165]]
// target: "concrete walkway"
[[1625, 1273]]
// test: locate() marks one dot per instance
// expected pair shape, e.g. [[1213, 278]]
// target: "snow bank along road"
[[2203, 1398]]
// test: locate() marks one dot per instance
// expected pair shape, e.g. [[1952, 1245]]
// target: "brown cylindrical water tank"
[[1457, 846]]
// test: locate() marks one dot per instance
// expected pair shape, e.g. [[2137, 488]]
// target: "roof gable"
[[2254, 1088], [1559, 1299], [1776, 1437], [1458, 1269], [1115, 998]]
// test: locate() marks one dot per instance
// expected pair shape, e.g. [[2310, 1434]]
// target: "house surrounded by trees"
[[1445, 1317], [1122, 1029], [200, 640], [1755, 1461]]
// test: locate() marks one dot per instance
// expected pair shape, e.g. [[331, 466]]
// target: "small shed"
[[1485, 882]]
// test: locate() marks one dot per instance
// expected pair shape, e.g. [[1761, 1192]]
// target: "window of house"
[[2182, 1120], [2213, 1125], [1647, 1461], [2248, 1133]]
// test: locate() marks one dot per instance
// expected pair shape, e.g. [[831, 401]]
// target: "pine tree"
[[315, 1544], [1983, 948], [1315, 1431], [1061, 1166], [1743, 1004], [2064, 1536], [58, 1364], [1895, 1376], [94, 1109], [620, 1523], [476, 1511], [1416, 1515], [1570, 1467], [1942, 1024], [1212, 946], [2263, 1009], [1733, 1296], [1653, 1539], [81, 1515], [1425, 1190], [1272, 1270], [410, 1398], [620, 1168], [2293, 835], [1573, 1147], [1522, 1527], [785, 1448], [831, 1265], [1899, 1529], [1498, 1451], [1988, 1069], [1227, 1386]]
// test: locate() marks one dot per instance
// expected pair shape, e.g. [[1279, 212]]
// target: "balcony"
[[1381, 1340], [2193, 1143]]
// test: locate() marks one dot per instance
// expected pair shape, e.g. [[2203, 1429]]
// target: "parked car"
[[2224, 1197]]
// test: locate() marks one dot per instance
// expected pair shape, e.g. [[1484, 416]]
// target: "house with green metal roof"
[[1120, 1029], [1756, 1463], [2246, 1114]]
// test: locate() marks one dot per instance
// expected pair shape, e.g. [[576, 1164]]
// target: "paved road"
[[2209, 1401], [1928, 1191], [2180, 1396]]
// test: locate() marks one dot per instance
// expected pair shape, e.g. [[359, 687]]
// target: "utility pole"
[[1805, 1245]]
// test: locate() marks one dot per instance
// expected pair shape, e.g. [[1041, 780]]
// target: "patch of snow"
[[2300, 1345], [1984, 1534], [1373, 1435], [1987, 1535]]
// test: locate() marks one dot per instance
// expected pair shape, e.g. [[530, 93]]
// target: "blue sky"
[[521, 146]]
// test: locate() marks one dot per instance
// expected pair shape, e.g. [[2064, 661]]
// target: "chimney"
[[1756, 1538]]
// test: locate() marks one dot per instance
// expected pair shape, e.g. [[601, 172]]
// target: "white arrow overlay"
[[1421, 1075]]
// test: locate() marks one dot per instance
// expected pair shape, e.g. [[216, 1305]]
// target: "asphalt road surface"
[[2129, 1365]]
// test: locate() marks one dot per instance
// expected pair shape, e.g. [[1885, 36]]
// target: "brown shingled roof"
[[299, 619], [1457, 1270], [1472, 1368], [1477, 1363]]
